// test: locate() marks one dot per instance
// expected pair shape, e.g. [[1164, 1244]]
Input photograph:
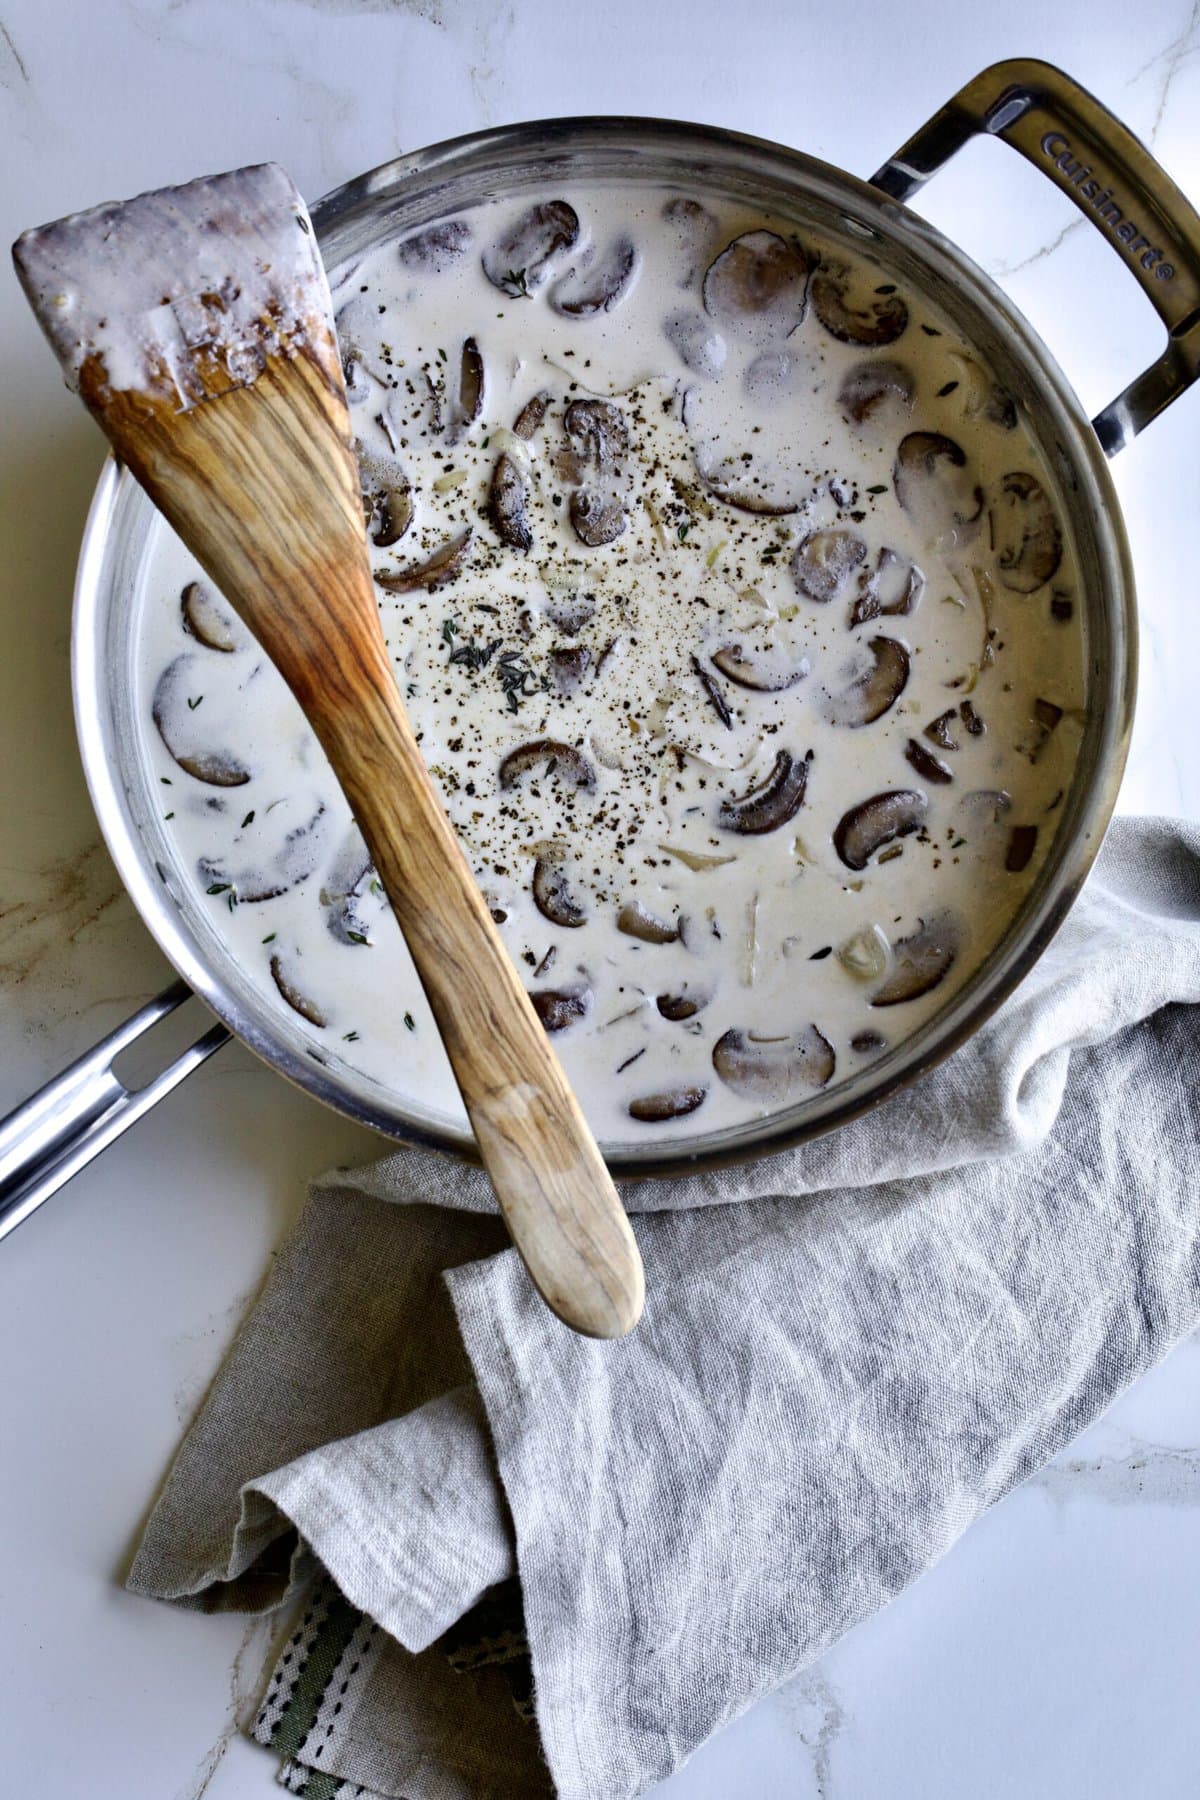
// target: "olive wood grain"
[[260, 481]]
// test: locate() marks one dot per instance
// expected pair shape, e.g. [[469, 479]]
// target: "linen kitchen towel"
[[527, 1563]]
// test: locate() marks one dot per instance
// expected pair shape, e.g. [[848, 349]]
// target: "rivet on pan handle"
[[58, 1130], [1114, 181]]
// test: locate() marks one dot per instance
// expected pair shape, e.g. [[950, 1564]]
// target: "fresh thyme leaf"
[[356, 937], [516, 282], [219, 887], [682, 531], [880, 487], [349, 1037], [193, 704], [958, 843], [166, 781], [270, 937], [248, 820], [410, 1022], [169, 815]]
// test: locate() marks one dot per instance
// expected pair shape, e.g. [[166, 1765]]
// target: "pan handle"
[[56, 1132], [1114, 181]]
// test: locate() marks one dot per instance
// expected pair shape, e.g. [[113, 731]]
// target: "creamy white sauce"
[[780, 937]]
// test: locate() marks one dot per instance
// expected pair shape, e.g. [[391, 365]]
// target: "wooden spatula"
[[196, 325]]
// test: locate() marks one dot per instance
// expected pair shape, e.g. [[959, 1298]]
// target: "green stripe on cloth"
[[304, 1702]]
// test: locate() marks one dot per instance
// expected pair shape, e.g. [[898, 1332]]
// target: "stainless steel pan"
[[1059, 128]]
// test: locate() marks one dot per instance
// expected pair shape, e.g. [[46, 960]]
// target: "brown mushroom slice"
[[562, 760], [292, 862], [571, 612], [700, 345], [1022, 842], [934, 483], [774, 1070], [824, 562], [569, 668], [931, 767], [204, 620], [470, 385], [552, 892], [695, 229], [920, 960], [445, 563], [737, 488], [340, 890], [940, 730], [600, 286], [436, 248], [656, 1109], [854, 311], [714, 693], [557, 1008], [772, 803], [519, 260], [758, 285], [868, 1043], [877, 689], [172, 710], [880, 820], [892, 588], [508, 498], [599, 438], [637, 921], [528, 421], [677, 1007], [765, 669], [1026, 535], [296, 998], [391, 513], [868, 385]]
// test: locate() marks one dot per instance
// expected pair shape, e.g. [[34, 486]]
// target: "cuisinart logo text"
[[1058, 149]]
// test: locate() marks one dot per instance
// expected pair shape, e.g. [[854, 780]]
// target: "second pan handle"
[[1114, 181]]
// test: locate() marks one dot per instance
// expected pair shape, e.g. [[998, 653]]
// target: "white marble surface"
[[1053, 1653]]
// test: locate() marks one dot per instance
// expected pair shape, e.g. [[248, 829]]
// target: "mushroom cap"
[[1027, 535], [877, 689], [773, 802], [873, 823], [920, 960], [877, 318], [758, 285], [774, 1071]]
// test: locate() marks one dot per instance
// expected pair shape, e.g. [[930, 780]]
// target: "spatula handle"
[[554, 1190]]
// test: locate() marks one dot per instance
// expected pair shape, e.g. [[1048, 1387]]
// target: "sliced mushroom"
[[972, 720], [700, 345], [599, 439], [695, 228], [445, 563], [1026, 534], [435, 248], [758, 285], [519, 260], [552, 892], [940, 730], [734, 485], [678, 1007], [204, 620], [339, 894], [772, 802], [571, 612], [772, 1070], [470, 386], [557, 1007], [716, 697], [172, 713], [637, 921], [1046, 718], [766, 669], [926, 763], [391, 513], [868, 385], [893, 587], [562, 760], [528, 421], [656, 1109], [600, 286], [287, 865], [1022, 843], [851, 310], [868, 1043], [933, 482], [295, 996], [569, 668], [877, 689], [873, 823], [920, 960], [824, 562], [981, 397], [508, 497]]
